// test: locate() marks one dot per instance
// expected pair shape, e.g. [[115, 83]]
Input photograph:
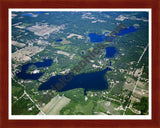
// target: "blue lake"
[[87, 81], [110, 52], [45, 63], [24, 75], [127, 30], [94, 38], [58, 40]]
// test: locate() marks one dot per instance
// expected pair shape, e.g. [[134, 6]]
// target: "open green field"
[[129, 112], [24, 106]]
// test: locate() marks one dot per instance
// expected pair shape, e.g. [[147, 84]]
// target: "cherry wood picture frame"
[[106, 4]]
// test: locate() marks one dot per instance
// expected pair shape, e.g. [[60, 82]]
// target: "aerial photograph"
[[81, 62]]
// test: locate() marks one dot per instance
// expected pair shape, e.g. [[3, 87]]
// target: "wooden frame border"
[[6, 4]]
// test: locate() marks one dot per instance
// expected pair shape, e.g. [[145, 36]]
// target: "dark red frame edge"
[[6, 4]]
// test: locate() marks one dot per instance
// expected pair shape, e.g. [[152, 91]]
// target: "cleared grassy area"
[[55, 105], [90, 107], [109, 108], [64, 41], [78, 109], [129, 112], [25, 25], [61, 47], [100, 108], [87, 109]]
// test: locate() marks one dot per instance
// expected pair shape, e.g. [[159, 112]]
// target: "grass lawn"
[[129, 112]]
